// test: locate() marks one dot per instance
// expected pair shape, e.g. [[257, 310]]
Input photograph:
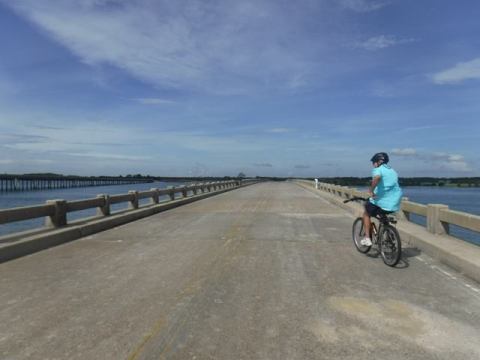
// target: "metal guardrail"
[[439, 217], [55, 211]]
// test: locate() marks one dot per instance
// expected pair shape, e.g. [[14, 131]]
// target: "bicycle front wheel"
[[358, 233], [390, 245]]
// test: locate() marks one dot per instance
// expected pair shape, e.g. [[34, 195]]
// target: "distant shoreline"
[[452, 182]]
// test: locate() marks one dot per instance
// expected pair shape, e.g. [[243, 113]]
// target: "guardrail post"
[[171, 193], [134, 202], [155, 196], [184, 192], [105, 209], [59, 218], [195, 189], [434, 225], [402, 214]]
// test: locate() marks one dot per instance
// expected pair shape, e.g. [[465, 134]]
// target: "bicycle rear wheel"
[[390, 245], [358, 232]]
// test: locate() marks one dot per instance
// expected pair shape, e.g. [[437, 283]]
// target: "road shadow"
[[407, 253], [404, 263], [373, 253], [410, 252]]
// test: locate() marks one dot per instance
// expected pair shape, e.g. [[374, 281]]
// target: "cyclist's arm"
[[375, 181]]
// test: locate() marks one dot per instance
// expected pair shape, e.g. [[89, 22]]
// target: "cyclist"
[[385, 193]]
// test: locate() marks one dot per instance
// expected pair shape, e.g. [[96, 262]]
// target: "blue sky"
[[264, 87]]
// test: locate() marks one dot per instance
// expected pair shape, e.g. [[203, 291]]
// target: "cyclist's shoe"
[[366, 241]]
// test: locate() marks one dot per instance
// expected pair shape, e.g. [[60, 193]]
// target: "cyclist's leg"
[[367, 224], [370, 210]]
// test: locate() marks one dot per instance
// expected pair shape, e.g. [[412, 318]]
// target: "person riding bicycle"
[[385, 193]]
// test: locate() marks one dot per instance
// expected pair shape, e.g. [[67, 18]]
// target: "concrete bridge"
[[266, 271]]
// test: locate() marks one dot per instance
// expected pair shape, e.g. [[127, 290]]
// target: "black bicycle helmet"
[[381, 156]]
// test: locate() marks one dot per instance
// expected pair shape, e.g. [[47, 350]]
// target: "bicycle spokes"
[[390, 246], [358, 232]]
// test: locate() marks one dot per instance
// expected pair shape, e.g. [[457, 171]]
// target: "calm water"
[[27, 198], [462, 199]]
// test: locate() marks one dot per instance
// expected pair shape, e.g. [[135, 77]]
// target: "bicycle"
[[386, 238]]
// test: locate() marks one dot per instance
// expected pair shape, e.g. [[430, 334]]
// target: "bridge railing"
[[438, 216], [55, 211]]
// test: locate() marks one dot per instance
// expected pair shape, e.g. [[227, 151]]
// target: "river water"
[[461, 199]]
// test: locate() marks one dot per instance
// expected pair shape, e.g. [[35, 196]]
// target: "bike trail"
[[268, 271]]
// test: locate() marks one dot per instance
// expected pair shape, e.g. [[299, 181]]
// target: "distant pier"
[[10, 183]]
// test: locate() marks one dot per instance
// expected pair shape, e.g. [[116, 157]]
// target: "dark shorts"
[[374, 210]]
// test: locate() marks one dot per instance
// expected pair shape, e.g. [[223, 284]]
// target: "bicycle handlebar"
[[355, 198]]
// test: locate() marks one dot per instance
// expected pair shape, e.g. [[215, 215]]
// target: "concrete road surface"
[[263, 272]]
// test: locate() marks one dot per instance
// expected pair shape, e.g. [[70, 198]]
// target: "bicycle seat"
[[386, 217]]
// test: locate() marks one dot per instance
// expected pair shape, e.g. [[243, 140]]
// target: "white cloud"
[[421, 128], [441, 160], [219, 46], [469, 70], [363, 6], [110, 156], [154, 101], [26, 161], [47, 139], [381, 42], [453, 161], [279, 130], [404, 152], [6, 161]]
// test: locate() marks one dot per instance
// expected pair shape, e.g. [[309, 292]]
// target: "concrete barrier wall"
[[433, 239], [58, 231], [439, 217], [56, 210]]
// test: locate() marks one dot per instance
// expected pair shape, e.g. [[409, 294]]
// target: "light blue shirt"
[[388, 192]]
